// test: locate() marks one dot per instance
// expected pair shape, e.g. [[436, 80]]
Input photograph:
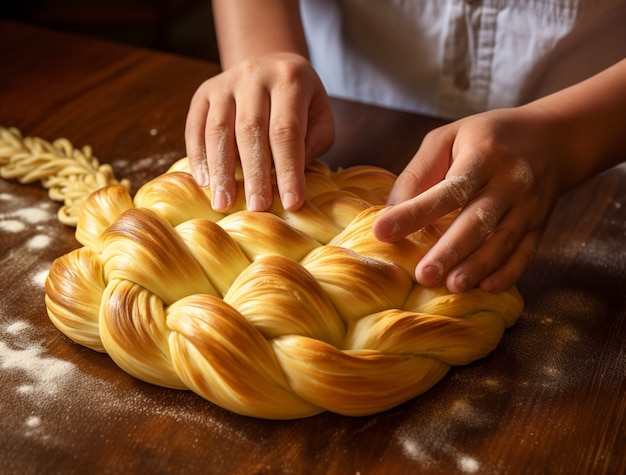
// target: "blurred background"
[[182, 27]]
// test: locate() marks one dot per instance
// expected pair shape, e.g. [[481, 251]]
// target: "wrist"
[[586, 121]]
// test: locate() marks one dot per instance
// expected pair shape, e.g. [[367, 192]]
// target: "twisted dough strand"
[[274, 315], [69, 174]]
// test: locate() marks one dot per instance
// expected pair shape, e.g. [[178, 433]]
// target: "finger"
[[320, 133], [465, 236], [492, 252], [517, 264], [195, 126], [412, 215], [287, 129], [428, 167], [221, 153], [251, 132]]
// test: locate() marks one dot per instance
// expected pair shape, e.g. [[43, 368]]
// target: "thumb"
[[320, 133], [428, 166]]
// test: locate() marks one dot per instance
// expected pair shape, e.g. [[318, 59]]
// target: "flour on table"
[[39, 241], [34, 226], [49, 385], [468, 464], [162, 160], [431, 439], [16, 328], [33, 427], [12, 226], [33, 421], [42, 374], [53, 392], [34, 215], [39, 278], [17, 215]]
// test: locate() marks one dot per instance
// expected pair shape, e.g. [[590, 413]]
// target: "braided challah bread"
[[275, 315]]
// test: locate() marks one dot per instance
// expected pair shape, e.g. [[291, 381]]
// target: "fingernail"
[[257, 202], [387, 231], [462, 282], [220, 200], [289, 200], [432, 273]]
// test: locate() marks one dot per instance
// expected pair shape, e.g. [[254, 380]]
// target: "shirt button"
[[461, 81]]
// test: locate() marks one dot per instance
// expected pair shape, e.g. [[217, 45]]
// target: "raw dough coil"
[[69, 174], [274, 315]]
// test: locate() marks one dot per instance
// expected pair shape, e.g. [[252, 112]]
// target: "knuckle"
[[507, 240], [217, 130], [220, 177], [257, 177], [196, 156], [432, 136], [285, 131], [408, 179], [288, 171], [249, 129], [459, 189], [289, 69], [522, 175], [248, 67]]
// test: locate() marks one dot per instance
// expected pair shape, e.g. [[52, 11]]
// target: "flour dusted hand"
[[268, 314]]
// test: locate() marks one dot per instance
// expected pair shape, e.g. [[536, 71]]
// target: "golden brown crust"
[[276, 315]]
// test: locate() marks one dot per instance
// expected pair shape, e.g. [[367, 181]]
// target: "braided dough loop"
[[69, 174], [275, 315]]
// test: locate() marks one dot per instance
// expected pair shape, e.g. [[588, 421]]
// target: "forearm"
[[591, 118], [248, 28]]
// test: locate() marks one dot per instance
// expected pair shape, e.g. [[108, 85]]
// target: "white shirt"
[[451, 58]]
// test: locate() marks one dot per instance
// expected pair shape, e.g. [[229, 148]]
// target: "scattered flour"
[[18, 215], [148, 163], [431, 440], [468, 464], [41, 374], [43, 382], [33, 427], [33, 421], [39, 279], [12, 226], [37, 223], [549, 358], [33, 215], [33, 226], [44, 374], [16, 328], [39, 241]]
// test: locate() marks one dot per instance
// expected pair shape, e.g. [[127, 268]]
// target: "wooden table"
[[550, 399]]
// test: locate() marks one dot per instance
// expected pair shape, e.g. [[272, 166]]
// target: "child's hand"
[[269, 111], [504, 169]]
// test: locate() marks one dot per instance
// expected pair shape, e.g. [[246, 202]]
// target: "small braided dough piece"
[[69, 174], [275, 315]]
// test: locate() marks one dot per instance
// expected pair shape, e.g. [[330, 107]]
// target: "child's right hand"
[[271, 111]]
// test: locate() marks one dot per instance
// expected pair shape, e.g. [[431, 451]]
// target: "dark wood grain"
[[550, 399]]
